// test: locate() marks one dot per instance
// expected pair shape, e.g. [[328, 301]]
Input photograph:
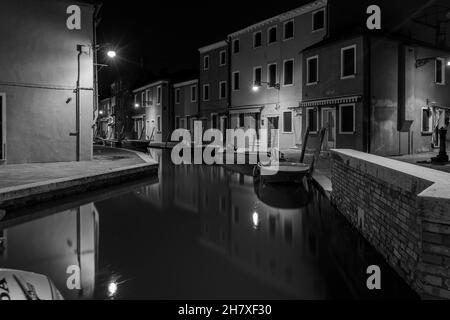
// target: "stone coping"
[[426, 182]]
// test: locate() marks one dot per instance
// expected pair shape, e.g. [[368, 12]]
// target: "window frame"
[[194, 93], [158, 124], [353, 105], [430, 124], [293, 72], [353, 46], [292, 122], [206, 62], [268, 35], [316, 57], [234, 80], [237, 40], [443, 64], [260, 38], [206, 85], [284, 30], [314, 109], [148, 94], [159, 95], [324, 20], [268, 75], [254, 74], [224, 62], [225, 90]]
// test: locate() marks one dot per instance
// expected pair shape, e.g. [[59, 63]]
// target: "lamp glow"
[[255, 219], [255, 88], [112, 288], [448, 63], [111, 54], [101, 112], [136, 105]]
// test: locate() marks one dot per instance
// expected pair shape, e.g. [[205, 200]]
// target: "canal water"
[[196, 232]]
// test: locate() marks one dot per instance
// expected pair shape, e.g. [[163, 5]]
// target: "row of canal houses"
[[380, 91]]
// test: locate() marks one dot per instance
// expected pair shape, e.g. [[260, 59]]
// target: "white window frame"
[[206, 65], [177, 96], [324, 20], [224, 52], [158, 124], [353, 105], [204, 91], [307, 70], [233, 78], [194, 96], [220, 90], [307, 119], [158, 95], [143, 98], [284, 30], [430, 121], [442, 71], [3, 140], [254, 37], [292, 121], [268, 75], [268, 35], [234, 46], [353, 46], [293, 72], [254, 74], [148, 95]]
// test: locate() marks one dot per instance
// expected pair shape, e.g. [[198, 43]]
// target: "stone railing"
[[403, 210]]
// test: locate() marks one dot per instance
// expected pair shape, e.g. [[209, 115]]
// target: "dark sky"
[[167, 34]]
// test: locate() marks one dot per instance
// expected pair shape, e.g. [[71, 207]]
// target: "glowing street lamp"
[[111, 53], [257, 85]]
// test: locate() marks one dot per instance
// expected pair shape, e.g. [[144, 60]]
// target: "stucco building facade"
[[38, 74]]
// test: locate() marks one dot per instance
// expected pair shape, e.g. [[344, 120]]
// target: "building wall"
[[186, 109], [330, 85], [38, 73], [213, 76], [249, 57]]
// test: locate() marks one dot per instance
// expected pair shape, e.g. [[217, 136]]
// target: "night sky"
[[166, 35]]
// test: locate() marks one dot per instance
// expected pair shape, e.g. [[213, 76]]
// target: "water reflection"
[[202, 232]]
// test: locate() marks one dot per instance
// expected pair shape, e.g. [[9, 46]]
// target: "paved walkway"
[[423, 160], [105, 159]]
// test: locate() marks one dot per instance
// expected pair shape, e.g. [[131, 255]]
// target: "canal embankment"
[[27, 184], [403, 210]]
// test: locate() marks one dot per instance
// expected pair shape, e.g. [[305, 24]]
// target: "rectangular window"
[[427, 118], [288, 72], [223, 90], [206, 92], [257, 76], [193, 93], [223, 58], [143, 100], [236, 81], [347, 118], [236, 46], [312, 119], [348, 62], [257, 39], [318, 20], [440, 71], [288, 30], [312, 70], [158, 123], [272, 75], [241, 120], [272, 35], [158, 94], [205, 62], [287, 122], [149, 97], [177, 95]]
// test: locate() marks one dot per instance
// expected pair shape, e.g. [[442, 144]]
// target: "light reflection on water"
[[199, 232]]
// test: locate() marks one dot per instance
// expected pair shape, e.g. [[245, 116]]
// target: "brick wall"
[[385, 201]]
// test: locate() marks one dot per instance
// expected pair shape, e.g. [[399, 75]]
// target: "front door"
[[2, 127], [272, 132], [329, 122]]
